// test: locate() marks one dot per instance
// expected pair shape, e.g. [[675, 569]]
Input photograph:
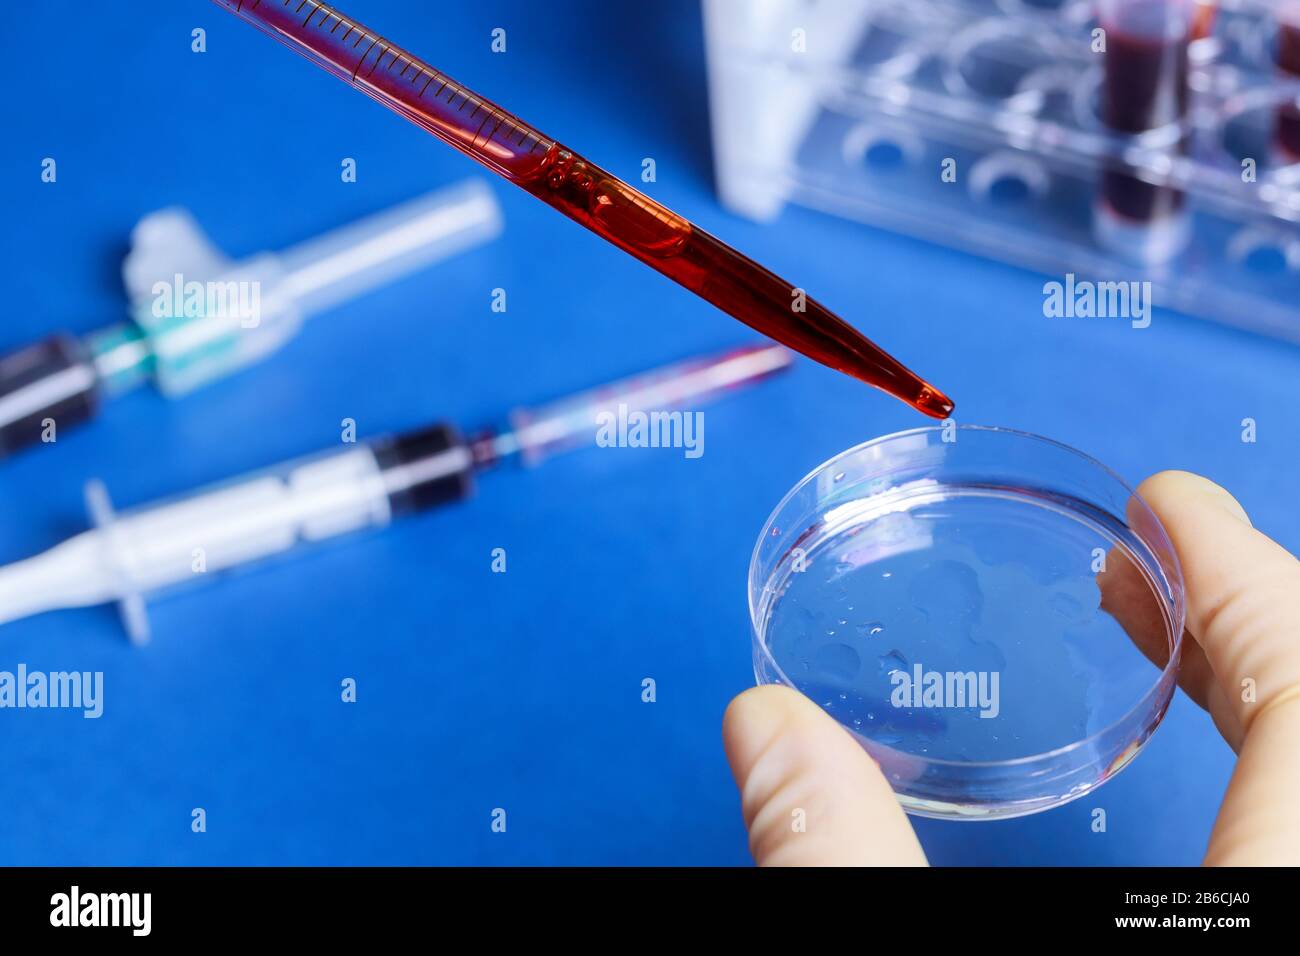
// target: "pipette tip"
[[933, 402]]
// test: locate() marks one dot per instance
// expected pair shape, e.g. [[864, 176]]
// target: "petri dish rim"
[[1178, 624]]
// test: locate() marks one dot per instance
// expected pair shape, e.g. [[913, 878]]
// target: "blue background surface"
[[522, 690]]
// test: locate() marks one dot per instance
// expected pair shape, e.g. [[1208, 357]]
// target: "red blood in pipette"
[[585, 193]]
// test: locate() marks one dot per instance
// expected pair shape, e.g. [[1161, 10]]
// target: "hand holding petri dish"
[[994, 616]]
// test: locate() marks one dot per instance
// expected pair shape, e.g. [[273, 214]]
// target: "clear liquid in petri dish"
[[1029, 611]]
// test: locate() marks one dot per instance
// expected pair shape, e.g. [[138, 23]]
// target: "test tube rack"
[[976, 124]]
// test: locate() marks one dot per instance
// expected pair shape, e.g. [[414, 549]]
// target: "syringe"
[[361, 485], [584, 192], [196, 316]]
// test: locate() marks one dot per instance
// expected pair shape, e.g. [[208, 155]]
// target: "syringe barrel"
[[293, 504], [363, 255], [255, 516], [201, 331]]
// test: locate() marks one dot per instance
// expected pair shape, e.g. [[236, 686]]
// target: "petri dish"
[[994, 616]]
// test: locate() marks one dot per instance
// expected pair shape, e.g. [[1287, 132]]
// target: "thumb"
[[810, 794]]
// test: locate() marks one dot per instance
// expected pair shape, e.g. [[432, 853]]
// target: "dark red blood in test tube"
[[1288, 61], [1146, 88]]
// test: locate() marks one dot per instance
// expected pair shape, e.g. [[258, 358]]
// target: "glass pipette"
[[584, 192], [361, 485], [196, 316]]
